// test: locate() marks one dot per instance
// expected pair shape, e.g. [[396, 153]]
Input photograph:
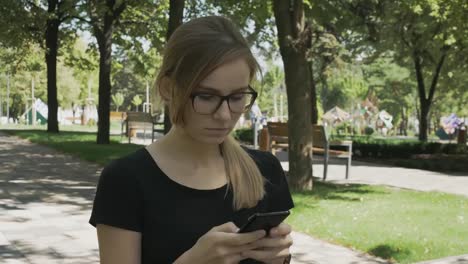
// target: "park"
[[364, 104]]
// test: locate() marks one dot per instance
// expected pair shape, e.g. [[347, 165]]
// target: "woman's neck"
[[180, 144]]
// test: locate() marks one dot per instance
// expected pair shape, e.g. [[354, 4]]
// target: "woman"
[[182, 198]]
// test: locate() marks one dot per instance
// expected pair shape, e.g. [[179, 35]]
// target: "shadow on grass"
[[343, 192], [389, 252]]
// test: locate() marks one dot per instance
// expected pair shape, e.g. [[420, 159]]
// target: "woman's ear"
[[165, 88]]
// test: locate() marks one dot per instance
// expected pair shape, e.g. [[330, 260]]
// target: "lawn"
[[400, 225], [80, 144]]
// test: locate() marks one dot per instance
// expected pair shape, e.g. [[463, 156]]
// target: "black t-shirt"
[[133, 193]]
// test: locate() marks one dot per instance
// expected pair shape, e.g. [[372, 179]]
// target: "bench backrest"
[[139, 117], [319, 136], [278, 131], [117, 116]]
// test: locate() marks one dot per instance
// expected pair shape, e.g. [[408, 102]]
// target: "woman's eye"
[[206, 97], [237, 97]]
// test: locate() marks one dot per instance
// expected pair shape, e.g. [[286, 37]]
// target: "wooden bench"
[[140, 120], [275, 137], [120, 117]]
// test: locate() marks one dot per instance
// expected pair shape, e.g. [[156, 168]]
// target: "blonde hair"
[[193, 51]]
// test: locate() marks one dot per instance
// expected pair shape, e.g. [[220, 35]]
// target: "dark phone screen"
[[264, 221]]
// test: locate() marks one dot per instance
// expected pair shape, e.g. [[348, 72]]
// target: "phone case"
[[264, 221]]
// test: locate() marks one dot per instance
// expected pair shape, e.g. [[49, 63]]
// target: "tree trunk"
[[313, 95], [176, 14], [424, 102], [293, 38], [51, 36], [104, 39]]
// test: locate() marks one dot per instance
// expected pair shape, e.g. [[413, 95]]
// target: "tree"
[[428, 35], [21, 70], [176, 15], [130, 24], [118, 100], [44, 19], [136, 101], [294, 35], [272, 80], [104, 15]]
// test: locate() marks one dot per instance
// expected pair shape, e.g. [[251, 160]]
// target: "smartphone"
[[264, 221]]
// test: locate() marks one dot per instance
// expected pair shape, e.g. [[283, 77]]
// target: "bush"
[[405, 150], [243, 135], [368, 131], [91, 122]]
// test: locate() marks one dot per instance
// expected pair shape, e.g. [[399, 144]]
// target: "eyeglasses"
[[239, 102]]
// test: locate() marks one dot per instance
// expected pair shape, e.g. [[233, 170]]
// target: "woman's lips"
[[218, 130]]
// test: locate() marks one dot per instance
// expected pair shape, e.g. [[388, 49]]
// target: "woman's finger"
[[266, 255], [274, 242], [281, 230]]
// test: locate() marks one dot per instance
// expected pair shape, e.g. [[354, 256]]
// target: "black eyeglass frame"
[[251, 91]]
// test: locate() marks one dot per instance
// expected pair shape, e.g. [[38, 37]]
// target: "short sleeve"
[[279, 198], [118, 199]]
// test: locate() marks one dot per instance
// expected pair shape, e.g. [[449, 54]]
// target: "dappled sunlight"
[[47, 198]]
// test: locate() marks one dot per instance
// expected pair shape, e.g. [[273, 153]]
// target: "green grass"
[[80, 144], [400, 225]]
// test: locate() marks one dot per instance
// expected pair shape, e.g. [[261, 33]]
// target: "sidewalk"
[[376, 174], [45, 203]]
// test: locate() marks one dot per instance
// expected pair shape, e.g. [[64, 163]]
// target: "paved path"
[[45, 202], [376, 174]]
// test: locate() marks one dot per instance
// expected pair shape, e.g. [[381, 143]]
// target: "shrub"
[[368, 131], [243, 135], [404, 150]]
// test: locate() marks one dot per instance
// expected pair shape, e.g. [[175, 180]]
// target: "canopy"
[[336, 115]]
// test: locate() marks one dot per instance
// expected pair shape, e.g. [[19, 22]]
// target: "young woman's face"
[[201, 121]]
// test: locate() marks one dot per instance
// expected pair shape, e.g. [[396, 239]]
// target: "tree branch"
[[435, 78], [419, 76], [77, 17]]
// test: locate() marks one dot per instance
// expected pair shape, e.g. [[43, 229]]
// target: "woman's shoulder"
[[131, 164], [268, 164], [259, 155]]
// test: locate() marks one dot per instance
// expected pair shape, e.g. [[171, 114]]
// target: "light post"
[[8, 97], [33, 103], [147, 105], [281, 102]]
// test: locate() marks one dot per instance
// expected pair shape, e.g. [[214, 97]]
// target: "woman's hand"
[[222, 244], [274, 248]]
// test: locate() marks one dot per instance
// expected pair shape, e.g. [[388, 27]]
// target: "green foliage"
[[68, 87], [118, 100], [136, 101], [270, 88], [368, 131], [345, 86], [129, 84], [254, 18], [379, 148], [244, 135]]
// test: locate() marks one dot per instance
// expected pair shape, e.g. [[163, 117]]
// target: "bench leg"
[[325, 166], [348, 167]]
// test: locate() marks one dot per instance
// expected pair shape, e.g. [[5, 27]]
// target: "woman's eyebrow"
[[216, 91]]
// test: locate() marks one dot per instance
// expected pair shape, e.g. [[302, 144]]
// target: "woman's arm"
[[118, 246]]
